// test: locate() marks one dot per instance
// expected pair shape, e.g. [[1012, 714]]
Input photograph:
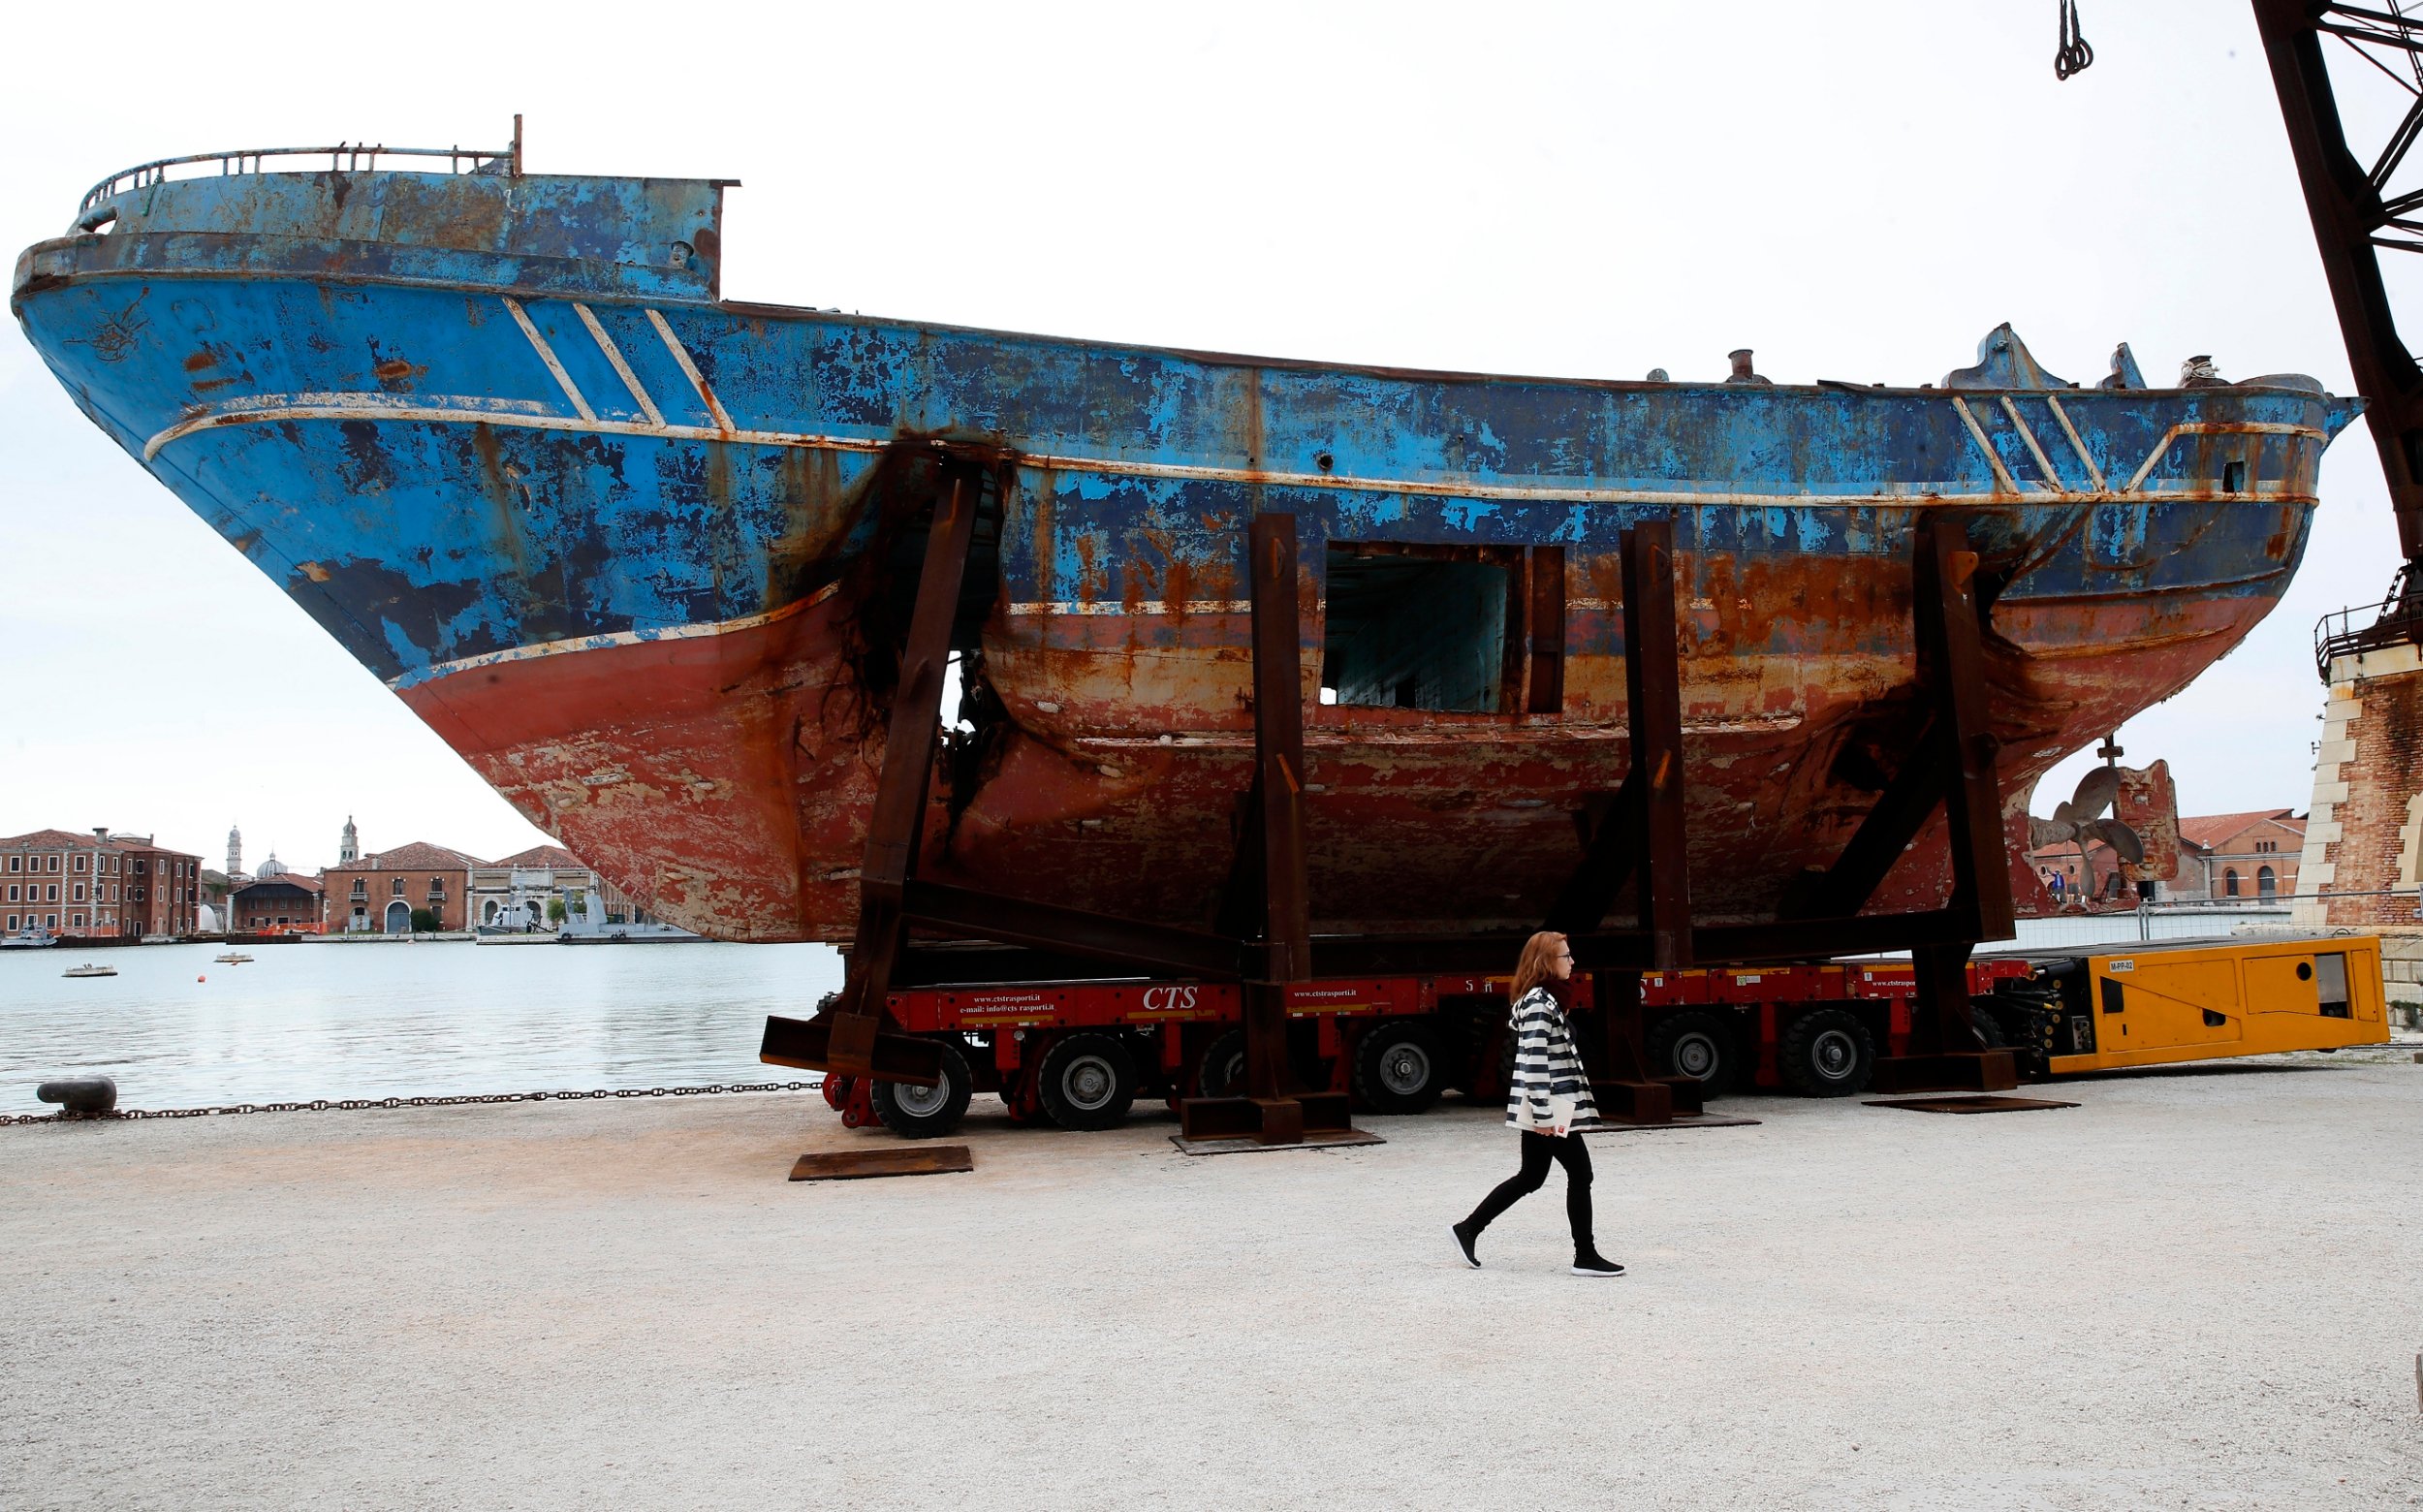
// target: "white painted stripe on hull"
[[622, 370], [546, 354], [272, 409], [611, 639]]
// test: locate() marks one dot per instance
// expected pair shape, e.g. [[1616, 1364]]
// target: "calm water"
[[391, 1020], [421, 1020]]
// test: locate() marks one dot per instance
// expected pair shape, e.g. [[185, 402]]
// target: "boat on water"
[[88, 969], [29, 940], [234, 958], [640, 553]]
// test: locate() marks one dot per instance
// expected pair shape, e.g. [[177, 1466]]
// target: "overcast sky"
[[1856, 190]]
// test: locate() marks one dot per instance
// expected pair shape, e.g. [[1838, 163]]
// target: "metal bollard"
[[86, 1095]]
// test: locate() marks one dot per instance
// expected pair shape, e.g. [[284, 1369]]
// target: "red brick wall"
[[2365, 792], [379, 889], [116, 898]]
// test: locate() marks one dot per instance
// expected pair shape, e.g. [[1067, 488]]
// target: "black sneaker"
[[1463, 1244], [1595, 1264]]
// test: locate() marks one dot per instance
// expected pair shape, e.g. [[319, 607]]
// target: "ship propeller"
[[2081, 821]]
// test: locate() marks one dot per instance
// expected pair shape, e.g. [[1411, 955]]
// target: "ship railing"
[[2396, 621], [346, 157]]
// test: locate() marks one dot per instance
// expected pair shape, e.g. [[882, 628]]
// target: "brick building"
[[97, 885], [379, 893], [2249, 857], [2363, 853], [276, 903]]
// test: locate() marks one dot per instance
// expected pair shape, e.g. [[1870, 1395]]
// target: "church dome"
[[270, 868]]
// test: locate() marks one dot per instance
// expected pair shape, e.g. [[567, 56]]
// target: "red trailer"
[[1080, 1052]]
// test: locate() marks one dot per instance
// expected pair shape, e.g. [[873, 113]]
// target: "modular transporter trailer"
[[1079, 1054]]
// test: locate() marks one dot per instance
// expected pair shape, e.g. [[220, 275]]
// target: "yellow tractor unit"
[[2155, 1002]]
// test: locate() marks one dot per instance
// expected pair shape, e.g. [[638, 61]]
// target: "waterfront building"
[[513, 894], [163, 888], [277, 901], [379, 893], [97, 885], [2247, 858]]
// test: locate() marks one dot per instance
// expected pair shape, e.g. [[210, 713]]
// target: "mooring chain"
[[2074, 54], [348, 1104]]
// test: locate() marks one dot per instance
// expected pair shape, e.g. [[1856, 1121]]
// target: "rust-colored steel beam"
[[1278, 747], [1608, 862], [1949, 1051], [1654, 680], [1486, 953], [1278, 770], [969, 914], [1545, 690], [1644, 831], [1952, 664], [896, 824], [1902, 811], [1274, 833], [2351, 222]]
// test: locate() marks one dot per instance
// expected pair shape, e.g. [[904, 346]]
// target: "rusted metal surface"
[[1653, 711], [636, 554], [1237, 1145], [1978, 1104], [851, 1165]]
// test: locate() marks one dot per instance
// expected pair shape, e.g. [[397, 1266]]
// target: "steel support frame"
[[1268, 885], [1948, 1049], [1644, 836], [1265, 941], [857, 1036], [2351, 222]]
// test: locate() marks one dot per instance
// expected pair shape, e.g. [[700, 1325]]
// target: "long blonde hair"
[[1538, 963]]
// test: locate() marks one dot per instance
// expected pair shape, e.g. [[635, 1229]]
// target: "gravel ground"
[[2199, 1289]]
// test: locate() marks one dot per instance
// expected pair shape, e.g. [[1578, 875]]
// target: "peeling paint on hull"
[[618, 543]]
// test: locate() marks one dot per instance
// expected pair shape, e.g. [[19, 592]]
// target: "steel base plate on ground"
[[1243, 1144], [1703, 1120], [850, 1165], [1978, 1103]]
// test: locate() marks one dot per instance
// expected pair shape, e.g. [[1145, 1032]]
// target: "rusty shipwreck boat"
[[645, 557]]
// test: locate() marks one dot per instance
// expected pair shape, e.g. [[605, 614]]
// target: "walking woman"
[[1550, 1101]]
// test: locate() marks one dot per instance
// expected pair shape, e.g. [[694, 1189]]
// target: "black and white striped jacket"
[[1548, 1089]]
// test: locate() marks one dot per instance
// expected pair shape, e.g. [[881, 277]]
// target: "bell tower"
[[234, 851], [348, 845]]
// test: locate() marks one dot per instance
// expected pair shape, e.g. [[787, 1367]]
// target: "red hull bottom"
[[725, 779]]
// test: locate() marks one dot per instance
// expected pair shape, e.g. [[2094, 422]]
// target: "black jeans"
[[1567, 1150]]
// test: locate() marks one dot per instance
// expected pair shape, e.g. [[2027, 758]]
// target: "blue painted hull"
[[621, 543]]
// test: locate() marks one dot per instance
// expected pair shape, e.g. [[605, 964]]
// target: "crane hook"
[[2074, 54]]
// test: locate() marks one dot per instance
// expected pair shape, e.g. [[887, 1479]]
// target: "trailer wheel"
[[923, 1112], [1828, 1053], [1221, 1072], [1397, 1068], [1988, 1026], [1088, 1081], [1698, 1045]]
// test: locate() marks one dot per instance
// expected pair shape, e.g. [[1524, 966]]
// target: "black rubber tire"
[[1398, 1068], [1221, 1072], [1700, 1045], [1828, 1053], [923, 1112], [1989, 1025], [1088, 1081]]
